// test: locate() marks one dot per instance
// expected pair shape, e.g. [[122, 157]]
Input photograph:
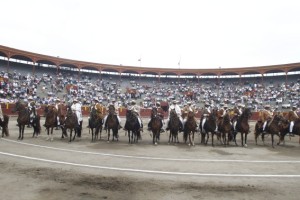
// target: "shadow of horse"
[[95, 124], [51, 120], [174, 125], [209, 126], [4, 125], [273, 128], [155, 125], [242, 126], [112, 124], [225, 128], [24, 119], [71, 124], [132, 126], [190, 128]]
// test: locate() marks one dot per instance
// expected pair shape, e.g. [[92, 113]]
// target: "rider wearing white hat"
[[292, 117], [116, 106], [76, 108], [135, 109], [177, 109]]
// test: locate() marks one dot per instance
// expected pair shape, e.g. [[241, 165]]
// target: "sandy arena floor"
[[38, 169]]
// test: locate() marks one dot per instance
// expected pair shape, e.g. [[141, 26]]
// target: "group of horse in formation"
[[223, 128]]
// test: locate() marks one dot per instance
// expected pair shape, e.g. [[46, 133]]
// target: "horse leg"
[[23, 127], [108, 135], [246, 139], [51, 134], [212, 139], [71, 130], [242, 138], [75, 133], [272, 137], [154, 138], [207, 137], [19, 132], [193, 137]]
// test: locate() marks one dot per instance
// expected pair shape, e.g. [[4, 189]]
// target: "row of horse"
[[223, 129]]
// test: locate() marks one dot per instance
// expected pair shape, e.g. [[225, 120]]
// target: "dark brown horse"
[[155, 125], [95, 124], [132, 126], [4, 125], [190, 128], [285, 126], [209, 126], [225, 128], [70, 123], [112, 124], [61, 114], [174, 125], [51, 120], [24, 119], [273, 128], [242, 126]]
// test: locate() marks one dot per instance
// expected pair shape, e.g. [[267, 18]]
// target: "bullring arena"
[[35, 168]]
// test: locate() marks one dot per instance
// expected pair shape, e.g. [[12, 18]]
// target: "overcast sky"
[[199, 34]]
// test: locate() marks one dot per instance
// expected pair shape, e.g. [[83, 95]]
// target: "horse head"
[[191, 115], [154, 112], [173, 113], [111, 109]]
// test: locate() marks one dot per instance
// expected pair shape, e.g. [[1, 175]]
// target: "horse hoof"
[[107, 141], [51, 140], [155, 143], [245, 145], [47, 139], [189, 144]]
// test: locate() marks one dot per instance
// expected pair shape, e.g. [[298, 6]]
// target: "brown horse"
[[4, 125], [70, 123], [209, 126], [273, 128], [51, 120], [174, 125], [24, 119], [242, 126], [225, 128], [155, 125], [95, 124], [190, 128], [112, 123], [285, 126], [61, 115]]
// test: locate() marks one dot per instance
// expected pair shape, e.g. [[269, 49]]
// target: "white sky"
[[203, 34]]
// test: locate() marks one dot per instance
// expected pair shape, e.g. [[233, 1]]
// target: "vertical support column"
[[240, 80], [33, 68], [262, 79], [286, 79], [7, 68], [79, 73]]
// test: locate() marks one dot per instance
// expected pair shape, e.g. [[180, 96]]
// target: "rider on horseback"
[[32, 110], [266, 116], [136, 110], [222, 112], [76, 108], [205, 115], [116, 106], [160, 113], [98, 107], [237, 112], [178, 112], [188, 108], [57, 106], [292, 117]]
